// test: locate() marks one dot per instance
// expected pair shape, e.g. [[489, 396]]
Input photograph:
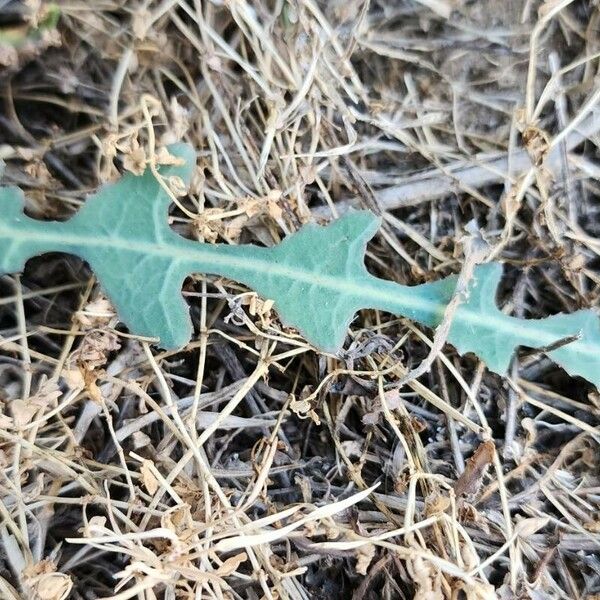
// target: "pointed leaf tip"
[[578, 356], [479, 326]]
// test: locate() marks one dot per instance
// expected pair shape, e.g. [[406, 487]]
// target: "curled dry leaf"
[[148, 477], [352, 448], [96, 313], [427, 579], [527, 527], [94, 527], [74, 378], [45, 583], [94, 348], [140, 440], [38, 171], [436, 504], [469, 482], [164, 157], [303, 409], [231, 564], [135, 159], [179, 123], [364, 556], [23, 411], [141, 21], [392, 400], [537, 144], [177, 186], [477, 591]]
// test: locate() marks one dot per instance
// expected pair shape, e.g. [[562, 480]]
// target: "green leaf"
[[316, 277], [480, 327]]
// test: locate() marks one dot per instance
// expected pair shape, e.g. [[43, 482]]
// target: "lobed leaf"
[[316, 277]]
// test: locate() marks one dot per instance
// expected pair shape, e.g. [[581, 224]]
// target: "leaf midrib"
[[202, 257], [187, 252]]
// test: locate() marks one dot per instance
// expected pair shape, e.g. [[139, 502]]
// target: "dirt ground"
[[248, 465]]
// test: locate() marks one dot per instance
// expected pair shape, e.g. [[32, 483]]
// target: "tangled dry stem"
[[247, 465]]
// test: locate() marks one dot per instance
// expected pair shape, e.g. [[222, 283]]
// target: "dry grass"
[[248, 465]]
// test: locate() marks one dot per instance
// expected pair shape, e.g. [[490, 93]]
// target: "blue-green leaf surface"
[[316, 277]]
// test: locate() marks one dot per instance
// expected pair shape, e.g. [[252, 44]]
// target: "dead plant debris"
[[247, 466]]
